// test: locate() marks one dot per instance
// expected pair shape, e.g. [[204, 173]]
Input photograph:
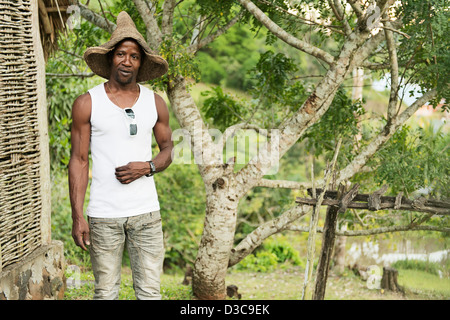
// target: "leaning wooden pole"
[[306, 294]]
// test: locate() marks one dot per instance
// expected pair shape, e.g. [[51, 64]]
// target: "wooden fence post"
[[44, 163], [328, 238]]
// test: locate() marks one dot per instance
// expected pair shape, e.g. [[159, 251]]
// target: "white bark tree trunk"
[[216, 243]]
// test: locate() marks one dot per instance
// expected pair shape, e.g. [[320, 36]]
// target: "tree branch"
[[393, 98], [197, 45], [361, 159], [340, 14], [283, 184], [308, 22], [374, 13], [257, 236], [284, 36], [167, 19], [407, 36], [356, 8], [190, 119], [309, 113], [147, 12], [95, 18]]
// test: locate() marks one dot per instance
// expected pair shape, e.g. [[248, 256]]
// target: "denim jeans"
[[144, 238]]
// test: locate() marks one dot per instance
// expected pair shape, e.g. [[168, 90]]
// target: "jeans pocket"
[[146, 235], [106, 235]]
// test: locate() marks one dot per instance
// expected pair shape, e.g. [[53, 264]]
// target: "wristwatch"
[[152, 168]]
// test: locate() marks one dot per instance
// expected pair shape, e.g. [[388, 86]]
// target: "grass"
[[424, 284], [171, 287], [285, 285]]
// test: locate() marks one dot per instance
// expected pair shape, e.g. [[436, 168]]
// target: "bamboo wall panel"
[[20, 199]]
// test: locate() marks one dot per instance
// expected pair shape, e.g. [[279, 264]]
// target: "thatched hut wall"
[[29, 261]]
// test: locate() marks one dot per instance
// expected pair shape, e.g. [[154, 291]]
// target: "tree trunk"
[[216, 243], [208, 281], [389, 280]]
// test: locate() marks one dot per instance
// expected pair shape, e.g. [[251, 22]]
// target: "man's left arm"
[[163, 136]]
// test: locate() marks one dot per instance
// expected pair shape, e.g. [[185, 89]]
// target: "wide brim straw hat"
[[152, 66]]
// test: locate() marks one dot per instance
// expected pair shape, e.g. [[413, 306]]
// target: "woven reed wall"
[[20, 199]]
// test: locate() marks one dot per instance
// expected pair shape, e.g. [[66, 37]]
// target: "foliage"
[[283, 250], [182, 200], [274, 252], [272, 75], [260, 204], [274, 95], [180, 61], [221, 8], [427, 24], [228, 60], [222, 108], [416, 159], [263, 261], [341, 120], [426, 266]]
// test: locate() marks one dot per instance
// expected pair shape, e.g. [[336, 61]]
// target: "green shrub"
[[421, 265], [271, 255], [264, 261], [283, 251]]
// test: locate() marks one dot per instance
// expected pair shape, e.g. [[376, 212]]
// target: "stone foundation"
[[39, 276]]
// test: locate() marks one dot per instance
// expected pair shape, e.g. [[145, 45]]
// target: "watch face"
[[152, 169], [152, 166]]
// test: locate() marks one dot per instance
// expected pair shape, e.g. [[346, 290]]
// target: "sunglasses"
[[132, 118]]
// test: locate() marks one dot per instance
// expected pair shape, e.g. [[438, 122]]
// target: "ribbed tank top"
[[112, 146]]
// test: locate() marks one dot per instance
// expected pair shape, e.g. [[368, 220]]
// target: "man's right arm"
[[79, 167]]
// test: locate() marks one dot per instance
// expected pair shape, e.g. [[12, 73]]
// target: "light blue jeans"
[[144, 238]]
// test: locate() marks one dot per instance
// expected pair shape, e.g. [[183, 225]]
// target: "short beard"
[[120, 81]]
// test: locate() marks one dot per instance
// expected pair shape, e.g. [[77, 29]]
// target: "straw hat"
[[152, 65]]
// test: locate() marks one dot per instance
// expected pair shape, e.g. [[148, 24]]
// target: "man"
[[115, 120]]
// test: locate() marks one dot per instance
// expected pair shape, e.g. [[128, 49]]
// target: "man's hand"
[[132, 171], [80, 233]]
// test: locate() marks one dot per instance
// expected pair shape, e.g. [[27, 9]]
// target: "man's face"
[[126, 61]]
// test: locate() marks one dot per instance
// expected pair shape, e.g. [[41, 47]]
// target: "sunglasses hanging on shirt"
[[133, 126]]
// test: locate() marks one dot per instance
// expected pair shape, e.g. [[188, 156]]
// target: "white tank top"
[[112, 146]]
